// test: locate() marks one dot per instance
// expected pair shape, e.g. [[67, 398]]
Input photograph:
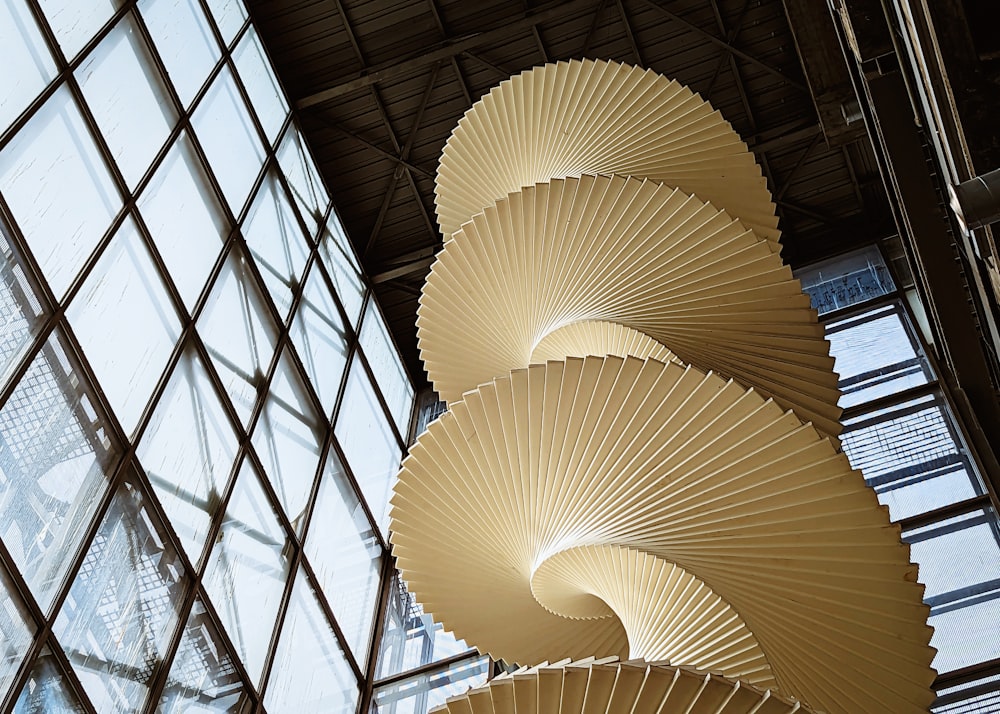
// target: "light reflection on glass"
[[287, 440], [46, 690], [387, 367], [20, 309], [16, 633], [202, 678], [55, 454], [58, 188], [310, 673], [24, 48], [229, 15], [303, 178], [186, 223], [229, 139], [320, 339], [187, 452], [184, 41], [262, 86], [125, 289], [346, 556], [368, 441], [275, 240], [247, 571], [122, 606], [74, 22], [237, 330], [338, 256], [127, 98]]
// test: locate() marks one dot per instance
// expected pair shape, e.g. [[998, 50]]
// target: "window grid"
[[907, 437], [127, 468], [52, 323]]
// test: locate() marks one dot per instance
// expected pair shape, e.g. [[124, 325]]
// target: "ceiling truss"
[[390, 110]]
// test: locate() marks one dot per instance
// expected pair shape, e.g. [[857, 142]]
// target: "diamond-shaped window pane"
[[275, 240], [47, 690], [55, 457], [239, 333], [125, 289], [310, 673], [320, 338], [203, 677], [123, 605], [287, 439], [188, 451], [346, 555], [247, 571]]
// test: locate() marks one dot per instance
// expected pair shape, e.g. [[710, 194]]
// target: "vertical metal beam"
[[935, 264], [824, 68]]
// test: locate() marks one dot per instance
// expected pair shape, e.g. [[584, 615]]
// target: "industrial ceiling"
[[380, 84]]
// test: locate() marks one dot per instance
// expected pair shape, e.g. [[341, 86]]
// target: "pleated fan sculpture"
[[639, 462]]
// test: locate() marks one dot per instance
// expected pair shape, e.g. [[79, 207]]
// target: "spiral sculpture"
[[639, 458]]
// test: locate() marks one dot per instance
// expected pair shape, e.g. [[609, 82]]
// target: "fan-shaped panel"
[[597, 117], [683, 465], [597, 337], [632, 252], [668, 614]]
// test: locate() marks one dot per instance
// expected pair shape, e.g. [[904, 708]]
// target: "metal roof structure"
[[380, 85]]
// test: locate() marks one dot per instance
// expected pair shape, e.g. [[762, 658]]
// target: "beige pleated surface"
[[597, 337], [667, 613], [597, 117], [676, 496], [678, 464], [632, 252], [611, 687]]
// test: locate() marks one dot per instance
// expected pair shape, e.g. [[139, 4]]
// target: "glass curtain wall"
[[201, 409], [899, 430]]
